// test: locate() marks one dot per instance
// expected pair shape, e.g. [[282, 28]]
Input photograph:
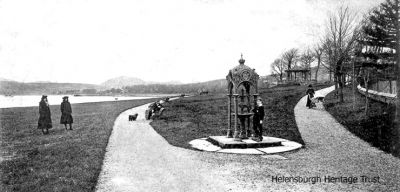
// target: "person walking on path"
[[258, 120], [44, 121], [310, 94], [66, 111]]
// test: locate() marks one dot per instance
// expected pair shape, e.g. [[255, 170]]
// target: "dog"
[[133, 117], [319, 99]]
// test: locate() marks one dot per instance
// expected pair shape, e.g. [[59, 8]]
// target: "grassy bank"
[[202, 116], [63, 160], [375, 128]]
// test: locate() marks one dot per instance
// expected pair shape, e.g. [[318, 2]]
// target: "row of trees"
[[350, 39], [333, 51], [291, 58], [362, 47]]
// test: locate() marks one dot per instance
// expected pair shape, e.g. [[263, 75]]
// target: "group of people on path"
[[45, 123]]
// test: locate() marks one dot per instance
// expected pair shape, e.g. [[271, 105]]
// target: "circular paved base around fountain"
[[204, 144]]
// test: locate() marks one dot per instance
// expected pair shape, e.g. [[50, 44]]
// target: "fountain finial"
[[241, 61]]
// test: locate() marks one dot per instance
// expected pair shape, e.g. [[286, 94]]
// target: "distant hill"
[[210, 86], [125, 81], [165, 83], [19, 88], [130, 85], [122, 81], [213, 83], [3, 79]]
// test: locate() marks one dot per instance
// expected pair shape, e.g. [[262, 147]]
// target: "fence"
[[378, 96]]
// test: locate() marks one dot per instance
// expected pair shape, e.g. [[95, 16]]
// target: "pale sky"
[[90, 41]]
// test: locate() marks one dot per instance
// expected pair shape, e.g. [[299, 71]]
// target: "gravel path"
[[138, 159], [334, 151]]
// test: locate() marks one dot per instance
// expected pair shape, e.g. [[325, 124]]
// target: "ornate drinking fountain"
[[242, 83], [243, 90]]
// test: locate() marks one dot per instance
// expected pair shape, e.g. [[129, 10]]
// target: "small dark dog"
[[133, 117]]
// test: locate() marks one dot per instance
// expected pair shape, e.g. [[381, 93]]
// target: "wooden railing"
[[378, 96]]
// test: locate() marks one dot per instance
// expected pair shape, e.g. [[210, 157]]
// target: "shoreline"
[[33, 100]]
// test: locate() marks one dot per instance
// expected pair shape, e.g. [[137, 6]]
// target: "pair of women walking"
[[44, 122]]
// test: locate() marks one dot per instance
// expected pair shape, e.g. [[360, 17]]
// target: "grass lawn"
[[62, 160], [376, 128], [206, 115]]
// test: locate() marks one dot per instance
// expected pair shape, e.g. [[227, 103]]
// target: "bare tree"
[[278, 67], [327, 55], [274, 75], [366, 77], [341, 35], [318, 50], [290, 57], [306, 58]]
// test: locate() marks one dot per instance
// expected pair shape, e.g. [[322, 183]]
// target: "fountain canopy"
[[241, 75]]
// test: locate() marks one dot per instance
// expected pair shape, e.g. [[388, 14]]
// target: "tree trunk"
[[366, 79], [341, 85], [377, 84], [366, 103], [344, 80], [336, 85], [353, 84], [316, 71], [397, 115]]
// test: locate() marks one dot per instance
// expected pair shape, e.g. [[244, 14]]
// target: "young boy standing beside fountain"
[[258, 120]]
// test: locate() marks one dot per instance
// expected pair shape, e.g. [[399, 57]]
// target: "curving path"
[[337, 152], [138, 159]]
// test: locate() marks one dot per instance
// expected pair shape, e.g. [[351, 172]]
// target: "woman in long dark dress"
[[66, 111], [44, 121], [310, 94]]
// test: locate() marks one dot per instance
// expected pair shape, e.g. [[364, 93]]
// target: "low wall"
[[384, 86], [378, 96]]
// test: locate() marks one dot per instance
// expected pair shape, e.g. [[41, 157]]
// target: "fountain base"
[[230, 143]]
